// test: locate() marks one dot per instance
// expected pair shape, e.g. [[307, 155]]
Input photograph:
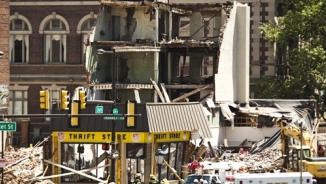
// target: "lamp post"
[[159, 158], [114, 94], [2, 142]]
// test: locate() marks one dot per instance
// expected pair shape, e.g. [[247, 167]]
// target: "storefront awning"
[[169, 117]]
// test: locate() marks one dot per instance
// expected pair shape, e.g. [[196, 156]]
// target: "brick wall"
[[73, 14], [4, 42]]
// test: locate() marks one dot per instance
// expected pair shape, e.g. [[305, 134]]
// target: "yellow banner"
[[126, 137]]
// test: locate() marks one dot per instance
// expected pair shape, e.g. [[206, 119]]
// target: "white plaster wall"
[[242, 53], [239, 134], [232, 80], [224, 80]]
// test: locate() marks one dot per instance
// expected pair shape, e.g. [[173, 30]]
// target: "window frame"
[[85, 33], [211, 66], [13, 107], [50, 34], [186, 27], [15, 33], [180, 65], [211, 21]]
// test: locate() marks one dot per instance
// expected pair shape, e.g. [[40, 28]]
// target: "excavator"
[[304, 152]]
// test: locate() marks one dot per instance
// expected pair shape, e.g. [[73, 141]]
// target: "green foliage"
[[300, 37]]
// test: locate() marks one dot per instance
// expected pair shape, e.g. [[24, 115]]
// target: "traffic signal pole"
[[114, 97], [66, 115]]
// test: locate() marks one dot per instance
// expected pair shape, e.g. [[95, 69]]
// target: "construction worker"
[[152, 179], [137, 179]]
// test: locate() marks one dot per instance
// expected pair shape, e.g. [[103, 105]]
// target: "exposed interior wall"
[[135, 23], [235, 136], [232, 80]]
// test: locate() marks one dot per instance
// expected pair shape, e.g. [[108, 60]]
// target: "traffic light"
[[45, 99], [74, 111], [80, 149], [105, 146], [65, 100], [131, 109], [82, 99]]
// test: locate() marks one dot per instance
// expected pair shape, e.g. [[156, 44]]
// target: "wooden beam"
[[157, 90], [191, 93], [64, 174], [167, 98], [75, 171]]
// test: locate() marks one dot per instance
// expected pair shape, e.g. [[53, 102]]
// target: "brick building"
[[4, 64], [45, 52]]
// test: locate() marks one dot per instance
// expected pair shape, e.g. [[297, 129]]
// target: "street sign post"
[[99, 109], [7, 126], [113, 118], [114, 111]]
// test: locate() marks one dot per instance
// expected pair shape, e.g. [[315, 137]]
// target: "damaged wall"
[[134, 23], [232, 80], [190, 26]]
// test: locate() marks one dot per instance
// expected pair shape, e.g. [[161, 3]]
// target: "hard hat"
[[152, 176], [195, 180], [137, 175]]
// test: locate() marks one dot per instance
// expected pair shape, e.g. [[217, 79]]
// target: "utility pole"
[[114, 97]]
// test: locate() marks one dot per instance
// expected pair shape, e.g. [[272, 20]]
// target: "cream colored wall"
[[232, 79]]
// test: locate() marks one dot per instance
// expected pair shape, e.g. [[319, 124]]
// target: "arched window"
[[20, 29], [84, 28], [55, 29]]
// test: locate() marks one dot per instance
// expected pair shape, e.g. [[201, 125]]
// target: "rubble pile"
[[264, 156], [22, 164]]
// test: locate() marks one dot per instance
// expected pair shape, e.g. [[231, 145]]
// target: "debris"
[[22, 164]]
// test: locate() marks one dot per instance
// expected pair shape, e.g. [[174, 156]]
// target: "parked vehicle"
[[271, 178], [210, 178]]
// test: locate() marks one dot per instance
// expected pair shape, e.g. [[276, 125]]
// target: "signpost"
[[114, 111], [114, 118], [99, 109], [7, 126]]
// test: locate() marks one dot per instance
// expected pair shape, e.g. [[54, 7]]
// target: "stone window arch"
[[20, 29], [55, 29], [84, 28]]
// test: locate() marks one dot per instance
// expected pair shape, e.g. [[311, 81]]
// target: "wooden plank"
[[64, 174], [157, 90], [173, 171], [75, 171], [167, 98], [191, 93], [137, 98]]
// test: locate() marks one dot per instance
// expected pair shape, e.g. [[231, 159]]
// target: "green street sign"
[[113, 118], [7, 126], [99, 109], [115, 111]]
